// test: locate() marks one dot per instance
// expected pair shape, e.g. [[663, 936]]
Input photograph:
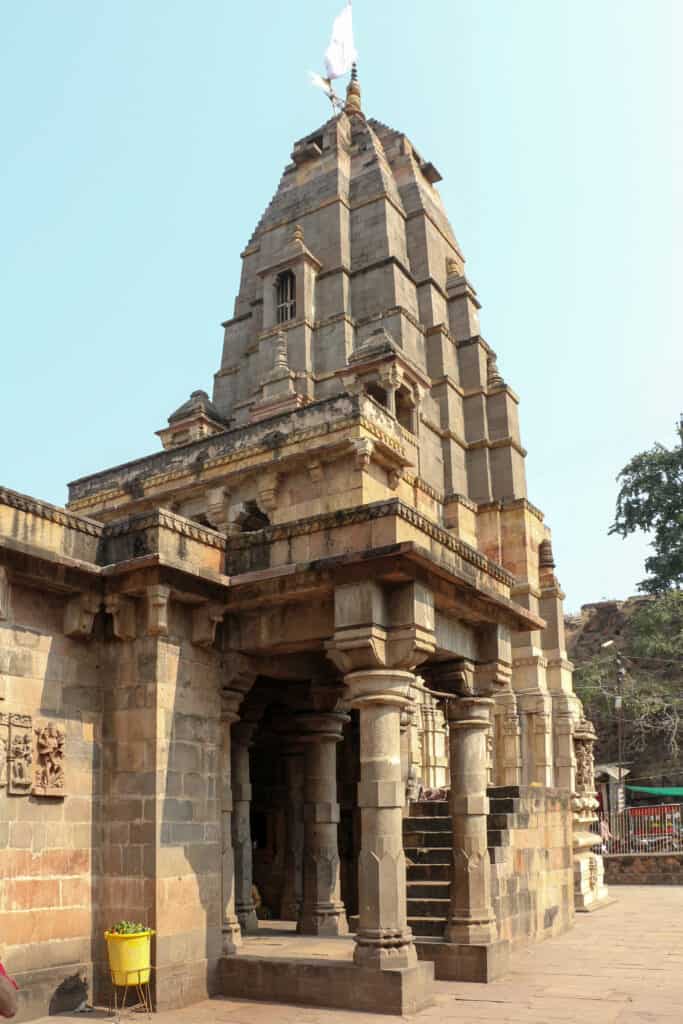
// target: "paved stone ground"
[[621, 965]]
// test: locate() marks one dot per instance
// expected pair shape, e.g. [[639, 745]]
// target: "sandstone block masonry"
[[236, 657], [650, 869]]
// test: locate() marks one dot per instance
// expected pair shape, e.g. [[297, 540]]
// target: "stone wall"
[[647, 869], [134, 832], [49, 845], [530, 843], [161, 825]]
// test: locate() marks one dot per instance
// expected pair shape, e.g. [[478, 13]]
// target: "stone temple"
[[305, 666]]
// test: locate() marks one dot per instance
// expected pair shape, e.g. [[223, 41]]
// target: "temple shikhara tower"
[[306, 662]]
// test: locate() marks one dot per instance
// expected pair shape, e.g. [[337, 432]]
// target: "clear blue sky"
[[142, 140]]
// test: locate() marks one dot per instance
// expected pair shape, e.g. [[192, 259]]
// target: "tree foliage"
[[651, 499], [651, 647]]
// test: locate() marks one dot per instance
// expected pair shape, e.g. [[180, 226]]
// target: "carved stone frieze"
[[20, 766], [48, 760]]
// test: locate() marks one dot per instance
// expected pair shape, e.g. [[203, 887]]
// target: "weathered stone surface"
[[352, 503]]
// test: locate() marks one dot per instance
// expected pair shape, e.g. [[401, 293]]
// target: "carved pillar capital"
[[455, 676], [378, 629]]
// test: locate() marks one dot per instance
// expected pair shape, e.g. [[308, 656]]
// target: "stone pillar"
[[322, 911], [230, 926], [242, 736], [470, 917], [383, 939], [590, 891], [292, 891], [507, 752], [471, 950]]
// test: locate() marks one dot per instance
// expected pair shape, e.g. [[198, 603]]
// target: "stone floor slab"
[[619, 966]]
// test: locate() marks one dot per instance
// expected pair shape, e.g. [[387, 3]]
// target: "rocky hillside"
[[596, 623]]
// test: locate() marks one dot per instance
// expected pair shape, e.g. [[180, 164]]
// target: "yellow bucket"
[[129, 957]]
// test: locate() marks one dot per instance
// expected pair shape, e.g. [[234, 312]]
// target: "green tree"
[[651, 646], [651, 499]]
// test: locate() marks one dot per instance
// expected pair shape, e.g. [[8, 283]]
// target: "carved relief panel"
[[48, 762], [19, 771], [4, 747]]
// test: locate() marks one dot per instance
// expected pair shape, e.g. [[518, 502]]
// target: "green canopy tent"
[[658, 790]]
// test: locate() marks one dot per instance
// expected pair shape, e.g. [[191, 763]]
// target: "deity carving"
[[48, 776], [20, 755], [584, 802], [4, 736]]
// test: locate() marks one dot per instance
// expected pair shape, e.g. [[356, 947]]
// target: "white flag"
[[341, 53]]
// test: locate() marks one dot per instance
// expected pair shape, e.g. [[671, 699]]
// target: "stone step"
[[428, 873], [429, 809], [428, 840], [499, 792], [436, 908], [504, 805], [497, 837], [434, 824], [420, 855], [503, 821], [426, 926], [427, 889]]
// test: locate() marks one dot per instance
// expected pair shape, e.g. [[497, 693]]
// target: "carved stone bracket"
[[217, 507], [122, 611], [205, 619], [267, 491], [158, 598], [363, 449], [79, 615], [394, 477], [315, 471], [4, 593]]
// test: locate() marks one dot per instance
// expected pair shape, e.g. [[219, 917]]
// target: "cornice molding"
[[365, 513], [163, 518], [52, 513]]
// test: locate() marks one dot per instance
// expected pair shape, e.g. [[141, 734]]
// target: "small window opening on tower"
[[285, 296], [252, 518], [405, 409], [376, 392]]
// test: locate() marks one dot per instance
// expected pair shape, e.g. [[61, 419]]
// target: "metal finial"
[[354, 72]]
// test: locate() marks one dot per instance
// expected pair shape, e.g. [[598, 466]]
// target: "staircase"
[[428, 842]]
